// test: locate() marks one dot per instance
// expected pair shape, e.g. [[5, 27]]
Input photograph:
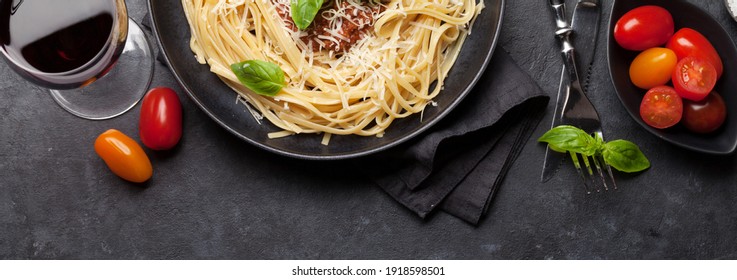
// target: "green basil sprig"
[[261, 77], [304, 12], [623, 155]]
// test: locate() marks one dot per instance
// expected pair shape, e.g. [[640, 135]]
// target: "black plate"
[[218, 101], [722, 141]]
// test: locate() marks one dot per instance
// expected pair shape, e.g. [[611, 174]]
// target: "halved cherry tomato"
[[123, 156], [661, 107], [653, 67], [688, 42], [694, 78], [644, 27], [160, 123], [706, 115]]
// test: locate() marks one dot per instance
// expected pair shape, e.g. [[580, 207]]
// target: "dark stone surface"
[[217, 197]]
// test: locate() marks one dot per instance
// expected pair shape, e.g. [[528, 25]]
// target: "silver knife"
[[585, 25]]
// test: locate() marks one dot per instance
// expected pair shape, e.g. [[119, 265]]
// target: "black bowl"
[[722, 141]]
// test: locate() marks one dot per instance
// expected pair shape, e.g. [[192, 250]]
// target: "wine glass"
[[96, 62]]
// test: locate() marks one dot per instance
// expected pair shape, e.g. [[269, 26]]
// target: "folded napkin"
[[458, 165]]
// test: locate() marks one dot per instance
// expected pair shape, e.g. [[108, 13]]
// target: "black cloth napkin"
[[459, 164]]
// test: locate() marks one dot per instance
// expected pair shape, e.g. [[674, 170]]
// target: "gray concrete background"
[[217, 197]]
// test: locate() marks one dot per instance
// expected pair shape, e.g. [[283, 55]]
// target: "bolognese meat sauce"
[[338, 25]]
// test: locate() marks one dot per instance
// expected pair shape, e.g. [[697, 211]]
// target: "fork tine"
[[597, 163], [586, 163], [574, 158], [611, 175]]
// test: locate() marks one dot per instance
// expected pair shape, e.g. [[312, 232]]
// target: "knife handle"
[[563, 33], [559, 9]]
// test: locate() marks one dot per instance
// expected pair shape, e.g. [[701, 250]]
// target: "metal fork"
[[577, 109]]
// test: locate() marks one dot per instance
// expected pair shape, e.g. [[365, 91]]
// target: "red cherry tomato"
[[160, 123], [661, 107], [694, 78], [644, 27], [688, 42], [123, 156], [706, 115]]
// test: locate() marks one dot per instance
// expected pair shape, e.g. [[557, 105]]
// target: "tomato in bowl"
[[722, 140]]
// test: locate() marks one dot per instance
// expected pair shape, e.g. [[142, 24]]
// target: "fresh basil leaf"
[[599, 141], [566, 138], [261, 77], [304, 12], [625, 156]]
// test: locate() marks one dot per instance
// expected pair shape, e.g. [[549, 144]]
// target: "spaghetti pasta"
[[402, 53]]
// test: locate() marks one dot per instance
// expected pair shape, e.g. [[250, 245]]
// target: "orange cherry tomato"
[[653, 67], [123, 156]]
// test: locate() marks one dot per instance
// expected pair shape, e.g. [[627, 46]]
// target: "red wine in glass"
[[95, 60]]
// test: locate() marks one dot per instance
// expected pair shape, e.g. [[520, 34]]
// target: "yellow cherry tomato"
[[123, 156], [653, 67]]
